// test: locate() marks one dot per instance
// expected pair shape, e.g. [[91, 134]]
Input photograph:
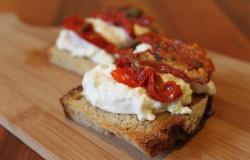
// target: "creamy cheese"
[[140, 30], [114, 34], [78, 47], [142, 48], [102, 91], [208, 88]]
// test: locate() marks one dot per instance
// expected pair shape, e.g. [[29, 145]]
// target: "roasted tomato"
[[126, 76], [147, 78], [188, 62], [85, 30], [125, 16]]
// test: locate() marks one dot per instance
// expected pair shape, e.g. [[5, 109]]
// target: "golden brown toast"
[[151, 137]]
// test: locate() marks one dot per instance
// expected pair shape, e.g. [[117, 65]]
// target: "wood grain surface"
[[219, 25]]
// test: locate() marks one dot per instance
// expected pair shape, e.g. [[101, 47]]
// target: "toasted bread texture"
[[65, 60], [150, 137]]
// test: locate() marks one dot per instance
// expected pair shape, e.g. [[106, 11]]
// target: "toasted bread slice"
[[65, 60], [151, 137]]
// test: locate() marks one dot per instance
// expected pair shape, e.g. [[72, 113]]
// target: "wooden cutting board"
[[29, 108]]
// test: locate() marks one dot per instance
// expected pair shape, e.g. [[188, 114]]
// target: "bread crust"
[[65, 60], [150, 137]]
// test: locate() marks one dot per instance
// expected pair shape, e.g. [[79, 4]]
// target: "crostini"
[[84, 42], [154, 95]]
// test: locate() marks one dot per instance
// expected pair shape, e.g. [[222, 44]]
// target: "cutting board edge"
[[28, 140]]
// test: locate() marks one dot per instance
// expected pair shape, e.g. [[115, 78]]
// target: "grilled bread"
[[150, 137]]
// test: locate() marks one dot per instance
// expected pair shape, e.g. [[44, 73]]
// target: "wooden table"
[[218, 25]]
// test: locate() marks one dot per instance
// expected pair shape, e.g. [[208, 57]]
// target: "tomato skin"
[[74, 23], [157, 89], [170, 90], [148, 79], [125, 76]]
